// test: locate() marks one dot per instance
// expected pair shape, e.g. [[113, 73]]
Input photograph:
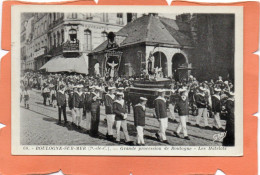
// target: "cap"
[[143, 98], [182, 90], [119, 94], [111, 88], [231, 93], [80, 86], [217, 89], [121, 88], [202, 88], [160, 90]]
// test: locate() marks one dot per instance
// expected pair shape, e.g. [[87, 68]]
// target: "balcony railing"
[[71, 46]]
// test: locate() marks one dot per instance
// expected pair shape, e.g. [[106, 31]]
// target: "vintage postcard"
[[127, 80]]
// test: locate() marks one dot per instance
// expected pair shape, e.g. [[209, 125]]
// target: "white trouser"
[[88, 121], [123, 124], [182, 125], [78, 112], [217, 120], [202, 112], [110, 123], [171, 108], [140, 135], [73, 115], [163, 124]]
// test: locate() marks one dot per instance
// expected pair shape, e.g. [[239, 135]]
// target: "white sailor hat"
[[97, 88], [121, 88], [226, 82], [143, 98], [80, 86], [182, 90], [119, 94], [202, 88], [160, 90], [111, 88], [217, 89], [231, 93]]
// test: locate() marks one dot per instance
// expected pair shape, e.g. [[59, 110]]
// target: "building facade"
[[68, 35]]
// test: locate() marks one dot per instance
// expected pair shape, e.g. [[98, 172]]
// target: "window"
[[58, 38], [50, 18], [62, 36], [54, 40], [105, 17], [73, 35], [119, 17], [87, 36], [50, 41], [104, 36], [45, 25], [88, 15], [74, 15], [58, 15], [54, 16]]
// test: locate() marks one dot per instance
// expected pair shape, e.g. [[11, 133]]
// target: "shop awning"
[[63, 64]]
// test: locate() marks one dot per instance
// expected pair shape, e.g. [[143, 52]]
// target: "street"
[[39, 127]]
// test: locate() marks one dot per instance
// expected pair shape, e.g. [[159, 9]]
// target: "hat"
[[119, 94], [143, 98], [111, 88], [92, 87], [202, 88], [121, 88], [226, 82], [160, 90], [231, 93], [182, 90], [80, 86], [97, 88], [217, 89]]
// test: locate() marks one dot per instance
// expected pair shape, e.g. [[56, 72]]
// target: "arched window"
[[62, 36], [87, 36], [50, 18], [73, 35], [58, 38], [104, 36]]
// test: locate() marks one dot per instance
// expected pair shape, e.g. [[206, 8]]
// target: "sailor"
[[216, 109], [62, 103], [139, 120], [119, 109], [95, 111], [109, 100], [77, 104], [229, 140], [121, 90], [72, 90], [201, 102], [173, 98], [87, 104], [26, 97], [53, 95], [161, 115], [182, 106]]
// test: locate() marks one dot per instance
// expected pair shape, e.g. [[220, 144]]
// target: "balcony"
[[71, 46]]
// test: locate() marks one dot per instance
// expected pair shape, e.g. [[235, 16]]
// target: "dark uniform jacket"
[[109, 100], [216, 103], [118, 109], [160, 107], [201, 100], [183, 106], [87, 101], [94, 104], [61, 98], [78, 100], [139, 115]]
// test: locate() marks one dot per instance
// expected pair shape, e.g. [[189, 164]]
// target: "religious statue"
[[112, 69], [96, 67]]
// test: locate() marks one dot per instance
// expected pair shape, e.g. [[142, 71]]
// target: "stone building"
[[200, 44], [149, 36], [72, 36]]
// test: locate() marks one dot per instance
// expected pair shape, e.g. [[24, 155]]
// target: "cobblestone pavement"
[[39, 127]]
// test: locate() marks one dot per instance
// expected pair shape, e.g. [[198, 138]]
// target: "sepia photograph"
[[130, 81]]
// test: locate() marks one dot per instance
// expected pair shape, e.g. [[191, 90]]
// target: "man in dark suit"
[[139, 120], [61, 102], [161, 115]]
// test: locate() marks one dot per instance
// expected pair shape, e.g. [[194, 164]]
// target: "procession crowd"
[[84, 95]]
